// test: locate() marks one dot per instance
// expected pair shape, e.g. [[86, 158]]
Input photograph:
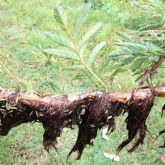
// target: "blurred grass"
[[21, 26]]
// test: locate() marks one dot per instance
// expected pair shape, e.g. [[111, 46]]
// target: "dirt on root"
[[90, 114]]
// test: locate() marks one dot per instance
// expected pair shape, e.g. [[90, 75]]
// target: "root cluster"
[[89, 113]]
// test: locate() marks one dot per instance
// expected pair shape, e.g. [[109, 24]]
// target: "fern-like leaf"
[[61, 40], [82, 18], [135, 48], [88, 35], [138, 63], [127, 60], [95, 51], [63, 53], [60, 16]]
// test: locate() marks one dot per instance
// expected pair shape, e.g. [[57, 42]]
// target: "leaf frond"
[[82, 17], [88, 35], [61, 40], [60, 16], [95, 52], [63, 53]]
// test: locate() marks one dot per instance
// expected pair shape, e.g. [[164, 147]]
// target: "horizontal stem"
[[34, 99]]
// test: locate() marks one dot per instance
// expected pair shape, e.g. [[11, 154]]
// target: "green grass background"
[[22, 23]]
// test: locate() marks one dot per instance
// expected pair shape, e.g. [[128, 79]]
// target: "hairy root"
[[89, 113]]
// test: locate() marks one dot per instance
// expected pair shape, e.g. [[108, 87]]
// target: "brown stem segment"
[[89, 111], [150, 73], [35, 100]]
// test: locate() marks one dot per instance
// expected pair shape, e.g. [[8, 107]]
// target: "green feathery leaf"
[[95, 51], [127, 60], [82, 18], [63, 53], [87, 36], [60, 16], [61, 40], [137, 63]]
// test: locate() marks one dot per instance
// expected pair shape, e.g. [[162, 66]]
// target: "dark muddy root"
[[13, 114], [53, 123], [97, 114], [90, 114], [138, 112]]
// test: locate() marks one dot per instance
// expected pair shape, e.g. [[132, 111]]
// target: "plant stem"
[[82, 60], [91, 71], [62, 78], [14, 78]]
